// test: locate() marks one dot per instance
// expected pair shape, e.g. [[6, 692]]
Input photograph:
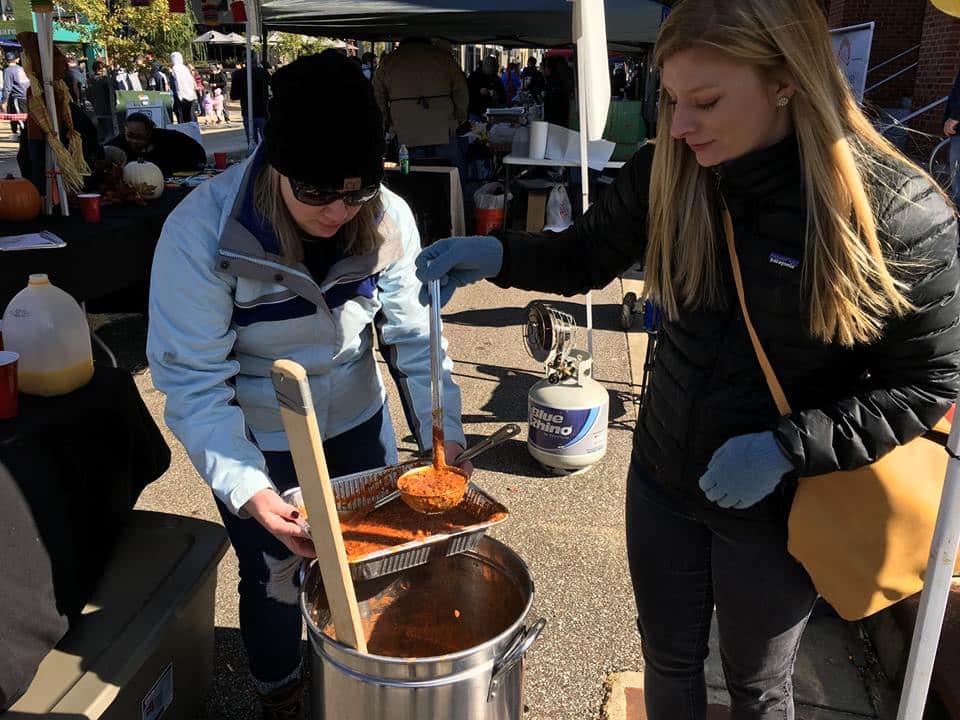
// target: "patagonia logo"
[[784, 261]]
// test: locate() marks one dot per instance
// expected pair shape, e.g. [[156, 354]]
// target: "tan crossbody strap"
[[779, 397]]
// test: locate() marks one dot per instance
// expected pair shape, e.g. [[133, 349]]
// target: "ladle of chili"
[[438, 487]]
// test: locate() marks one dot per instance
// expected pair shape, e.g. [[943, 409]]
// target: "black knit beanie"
[[324, 126]]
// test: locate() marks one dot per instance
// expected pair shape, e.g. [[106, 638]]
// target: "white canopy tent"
[[213, 37]]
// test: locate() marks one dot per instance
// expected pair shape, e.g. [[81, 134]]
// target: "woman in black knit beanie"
[[299, 249]]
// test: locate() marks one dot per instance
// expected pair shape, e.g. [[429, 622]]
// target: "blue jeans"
[[258, 124], [687, 557], [270, 622], [955, 168]]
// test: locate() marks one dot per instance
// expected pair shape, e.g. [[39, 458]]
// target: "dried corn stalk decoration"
[[70, 161], [74, 139]]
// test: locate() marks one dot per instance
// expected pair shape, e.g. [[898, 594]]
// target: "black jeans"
[[270, 622], [184, 110], [687, 557]]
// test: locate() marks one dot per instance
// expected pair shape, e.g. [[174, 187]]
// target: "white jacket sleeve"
[[189, 345], [404, 333]]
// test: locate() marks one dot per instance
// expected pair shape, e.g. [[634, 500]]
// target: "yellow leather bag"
[[863, 535]]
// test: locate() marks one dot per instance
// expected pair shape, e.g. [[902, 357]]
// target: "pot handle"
[[514, 654]]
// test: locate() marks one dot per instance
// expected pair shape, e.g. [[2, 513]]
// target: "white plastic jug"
[[50, 331]]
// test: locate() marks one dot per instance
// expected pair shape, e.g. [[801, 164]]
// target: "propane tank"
[[567, 411]]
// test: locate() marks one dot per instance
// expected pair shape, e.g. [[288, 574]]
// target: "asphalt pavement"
[[569, 530]]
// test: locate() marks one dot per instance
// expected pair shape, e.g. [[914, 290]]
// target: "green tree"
[[288, 46], [125, 31]]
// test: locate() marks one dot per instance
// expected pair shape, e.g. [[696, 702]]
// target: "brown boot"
[[285, 703]]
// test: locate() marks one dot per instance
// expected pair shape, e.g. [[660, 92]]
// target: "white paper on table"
[[564, 144], [42, 240]]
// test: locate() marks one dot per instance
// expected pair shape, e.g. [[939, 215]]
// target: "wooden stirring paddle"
[[303, 434]]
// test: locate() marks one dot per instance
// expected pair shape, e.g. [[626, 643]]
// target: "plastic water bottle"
[[404, 160]]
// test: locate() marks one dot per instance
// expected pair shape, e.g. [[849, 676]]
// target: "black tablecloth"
[[100, 258], [428, 195], [81, 460]]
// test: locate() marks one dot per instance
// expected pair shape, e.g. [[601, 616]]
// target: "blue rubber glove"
[[744, 470], [456, 262]]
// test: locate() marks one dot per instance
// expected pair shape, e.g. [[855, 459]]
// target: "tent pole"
[[936, 589], [585, 188], [582, 107], [251, 135]]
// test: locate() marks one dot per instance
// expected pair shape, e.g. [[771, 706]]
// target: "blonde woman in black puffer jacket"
[[849, 259]]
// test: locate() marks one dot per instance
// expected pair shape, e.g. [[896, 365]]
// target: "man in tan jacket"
[[423, 95]]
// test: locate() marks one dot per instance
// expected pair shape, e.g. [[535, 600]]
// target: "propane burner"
[[549, 336], [567, 410]]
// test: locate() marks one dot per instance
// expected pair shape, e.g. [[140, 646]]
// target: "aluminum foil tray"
[[361, 491]]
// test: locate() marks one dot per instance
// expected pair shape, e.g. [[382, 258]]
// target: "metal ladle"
[[507, 431], [449, 484]]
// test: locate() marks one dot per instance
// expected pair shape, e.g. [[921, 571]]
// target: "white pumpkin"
[[140, 172]]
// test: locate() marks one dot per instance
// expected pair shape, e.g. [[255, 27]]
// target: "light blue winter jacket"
[[223, 307]]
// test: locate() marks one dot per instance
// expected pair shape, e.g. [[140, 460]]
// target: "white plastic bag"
[[559, 210], [489, 196]]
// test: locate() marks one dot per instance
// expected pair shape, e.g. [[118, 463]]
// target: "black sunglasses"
[[312, 195]]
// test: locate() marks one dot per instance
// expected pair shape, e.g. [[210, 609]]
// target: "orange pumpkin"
[[19, 199]]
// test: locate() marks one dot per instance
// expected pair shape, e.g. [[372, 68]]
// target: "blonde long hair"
[[848, 283], [359, 236]]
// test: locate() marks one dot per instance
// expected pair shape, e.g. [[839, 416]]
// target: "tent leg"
[[936, 590]]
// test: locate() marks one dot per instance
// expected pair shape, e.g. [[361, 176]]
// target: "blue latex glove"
[[744, 470], [456, 262]]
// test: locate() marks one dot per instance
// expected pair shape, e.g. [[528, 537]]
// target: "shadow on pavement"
[[605, 316]]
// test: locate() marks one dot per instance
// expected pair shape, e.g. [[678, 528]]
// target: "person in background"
[[133, 76], [511, 81], [558, 91], [261, 96], [532, 79], [218, 107], [120, 81], [15, 85], [184, 89], [369, 61], [157, 80], [198, 86], [207, 106], [170, 150], [848, 255], [423, 95], [619, 82], [218, 81], [103, 97], [950, 122], [486, 90], [76, 81], [299, 253]]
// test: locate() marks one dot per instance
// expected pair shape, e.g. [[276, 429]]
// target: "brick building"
[[901, 25]]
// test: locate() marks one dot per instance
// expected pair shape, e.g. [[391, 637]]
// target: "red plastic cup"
[[220, 160], [8, 384], [90, 207]]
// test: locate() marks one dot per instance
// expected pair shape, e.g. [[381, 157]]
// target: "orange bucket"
[[487, 219]]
